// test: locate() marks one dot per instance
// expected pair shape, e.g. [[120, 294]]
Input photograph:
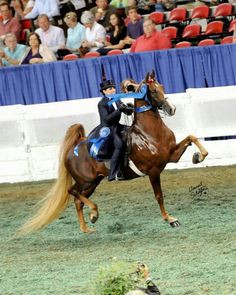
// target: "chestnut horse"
[[151, 146]]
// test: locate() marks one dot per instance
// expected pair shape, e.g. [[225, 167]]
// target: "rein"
[[141, 95]]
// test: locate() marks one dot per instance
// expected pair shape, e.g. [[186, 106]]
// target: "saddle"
[[100, 143]]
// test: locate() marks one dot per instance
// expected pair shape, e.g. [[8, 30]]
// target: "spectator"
[[51, 36], [117, 33], [51, 8], [151, 39], [134, 27], [8, 24], [77, 6], [234, 34], [22, 7], [119, 3], [145, 6], [95, 33], [102, 13], [13, 52], [37, 53], [75, 34], [164, 5]]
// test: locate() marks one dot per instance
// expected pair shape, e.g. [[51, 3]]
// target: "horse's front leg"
[[156, 185], [182, 146]]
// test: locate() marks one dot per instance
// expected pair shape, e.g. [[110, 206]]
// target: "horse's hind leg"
[[156, 184], [182, 146], [79, 209]]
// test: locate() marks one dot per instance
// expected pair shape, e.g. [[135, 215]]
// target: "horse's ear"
[[147, 77], [152, 75]]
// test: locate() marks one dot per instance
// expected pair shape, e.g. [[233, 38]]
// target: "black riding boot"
[[114, 165]]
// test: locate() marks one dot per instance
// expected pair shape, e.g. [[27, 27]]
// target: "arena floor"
[[196, 258]]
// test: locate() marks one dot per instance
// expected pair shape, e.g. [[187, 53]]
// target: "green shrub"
[[117, 278]]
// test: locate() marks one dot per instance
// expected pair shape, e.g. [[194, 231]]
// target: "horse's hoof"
[[88, 230], [175, 223], [93, 217], [196, 158]]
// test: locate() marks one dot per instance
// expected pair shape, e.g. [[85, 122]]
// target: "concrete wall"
[[31, 135]]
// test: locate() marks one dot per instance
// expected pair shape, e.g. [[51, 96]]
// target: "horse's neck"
[[147, 119]]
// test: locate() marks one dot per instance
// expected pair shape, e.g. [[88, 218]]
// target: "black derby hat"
[[107, 84]]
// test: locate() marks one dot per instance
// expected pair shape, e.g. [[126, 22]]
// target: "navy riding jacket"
[[109, 116]]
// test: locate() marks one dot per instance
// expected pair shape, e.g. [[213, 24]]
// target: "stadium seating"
[[70, 57], [178, 14], [26, 28], [206, 42], [170, 32], [214, 27], [115, 52], [200, 12], [157, 17], [183, 44], [191, 31], [92, 54], [223, 10], [227, 40], [232, 25]]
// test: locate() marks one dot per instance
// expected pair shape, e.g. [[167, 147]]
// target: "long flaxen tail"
[[58, 197]]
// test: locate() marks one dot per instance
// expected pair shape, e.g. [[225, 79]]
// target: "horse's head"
[[157, 95]]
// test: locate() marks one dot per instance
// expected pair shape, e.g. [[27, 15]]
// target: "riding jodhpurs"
[[115, 159]]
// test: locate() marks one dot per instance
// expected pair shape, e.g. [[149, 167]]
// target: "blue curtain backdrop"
[[176, 69]]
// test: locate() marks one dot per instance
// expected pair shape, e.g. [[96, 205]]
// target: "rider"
[[110, 116]]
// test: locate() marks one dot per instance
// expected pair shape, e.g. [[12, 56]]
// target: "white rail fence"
[[31, 135]]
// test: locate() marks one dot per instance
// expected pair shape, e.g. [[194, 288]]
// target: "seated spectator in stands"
[[234, 34], [22, 7], [8, 24], [145, 6], [102, 13], [77, 6], [50, 8], [117, 33], [169, 4], [36, 52], [164, 5], [75, 35], [51, 36], [13, 52], [151, 39], [134, 27], [95, 34], [119, 3]]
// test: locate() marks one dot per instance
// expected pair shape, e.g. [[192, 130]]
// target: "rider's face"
[[110, 90]]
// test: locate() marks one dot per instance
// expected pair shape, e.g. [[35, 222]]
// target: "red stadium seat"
[[183, 44], [206, 42], [92, 54], [170, 32], [157, 17], [178, 14], [70, 57], [227, 40], [192, 30], [115, 52], [26, 28], [214, 27], [232, 25], [224, 9], [200, 12]]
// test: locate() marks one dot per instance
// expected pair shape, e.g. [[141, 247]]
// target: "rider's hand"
[[122, 107]]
